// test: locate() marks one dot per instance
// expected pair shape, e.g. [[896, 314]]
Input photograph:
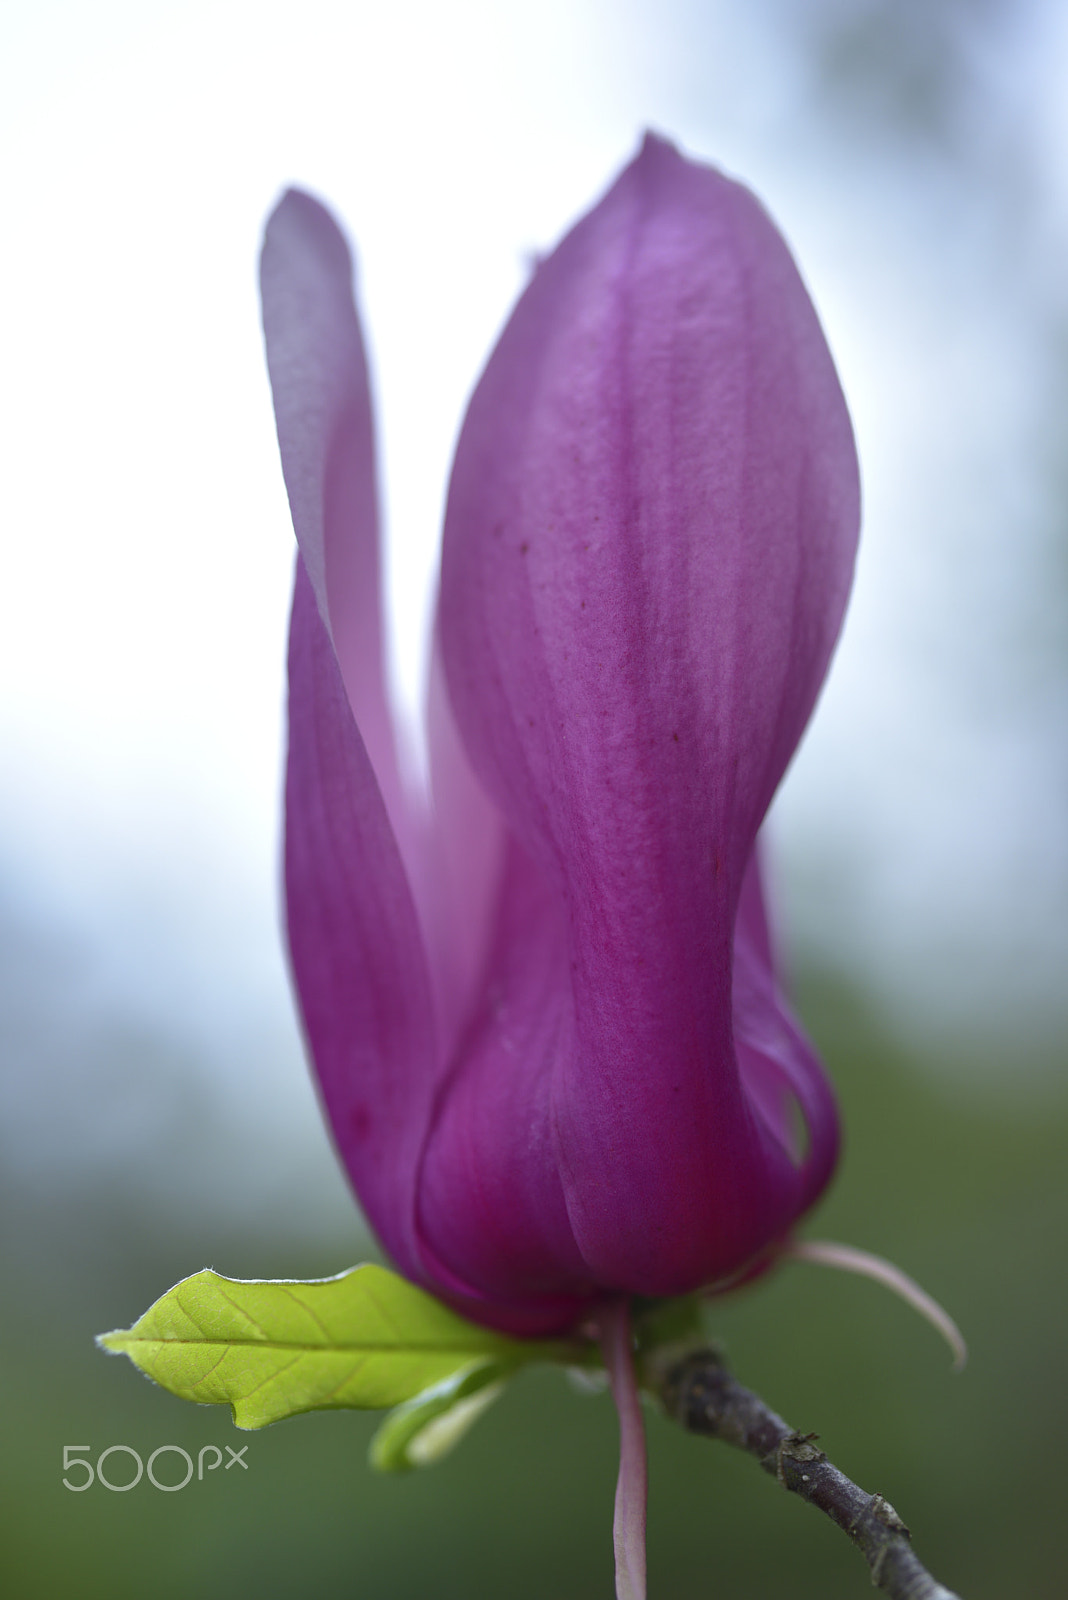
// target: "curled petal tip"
[[849, 1259], [654, 144]]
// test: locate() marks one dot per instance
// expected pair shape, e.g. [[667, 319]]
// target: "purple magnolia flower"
[[543, 1006]]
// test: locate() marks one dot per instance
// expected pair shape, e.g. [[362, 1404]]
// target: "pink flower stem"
[[632, 1484]]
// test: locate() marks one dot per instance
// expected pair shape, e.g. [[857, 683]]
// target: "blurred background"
[[155, 1112]]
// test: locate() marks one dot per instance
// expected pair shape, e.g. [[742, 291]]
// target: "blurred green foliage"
[[962, 1185]]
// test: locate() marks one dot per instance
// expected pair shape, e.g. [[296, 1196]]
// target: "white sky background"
[[147, 547]]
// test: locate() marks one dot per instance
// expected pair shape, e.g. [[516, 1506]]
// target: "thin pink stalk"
[[849, 1259], [632, 1484]]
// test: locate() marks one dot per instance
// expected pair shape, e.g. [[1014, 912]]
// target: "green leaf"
[[271, 1349], [423, 1430]]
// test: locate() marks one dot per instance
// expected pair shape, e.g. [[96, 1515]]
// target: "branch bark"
[[703, 1395]]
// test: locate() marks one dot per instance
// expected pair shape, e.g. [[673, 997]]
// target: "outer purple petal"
[[355, 943], [648, 547], [322, 403], [371, 893], [357, 947]]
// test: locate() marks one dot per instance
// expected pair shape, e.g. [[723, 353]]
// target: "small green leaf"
[[271, 1349], [423, 1430]]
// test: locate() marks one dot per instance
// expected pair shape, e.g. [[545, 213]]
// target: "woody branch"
[[703, 1395]]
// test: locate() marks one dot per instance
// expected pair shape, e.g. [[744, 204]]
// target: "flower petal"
[[648, 546], [784, 1081], [468, 837], [355, 943], [491, 1201], [322, 409]]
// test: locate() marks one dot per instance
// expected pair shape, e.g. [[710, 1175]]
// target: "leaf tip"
[[115, 1342]]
